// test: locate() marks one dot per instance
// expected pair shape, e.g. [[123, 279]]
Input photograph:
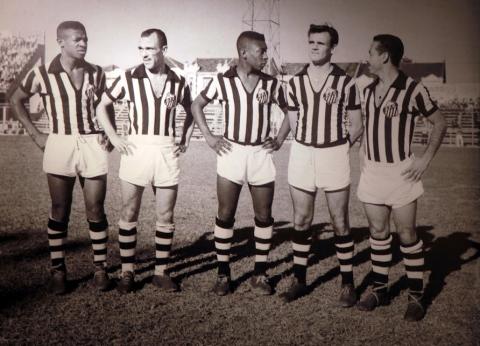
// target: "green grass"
[[448, 221]]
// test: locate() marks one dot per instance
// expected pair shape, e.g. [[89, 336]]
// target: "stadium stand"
[[19, 54]]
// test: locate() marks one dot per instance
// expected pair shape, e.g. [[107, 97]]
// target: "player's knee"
[[263, 220], [407, 235], [165, 216], [340, 224], [379, 231], [129, 213], [60, 211], [302, 221], [95, 212], [226, 214]]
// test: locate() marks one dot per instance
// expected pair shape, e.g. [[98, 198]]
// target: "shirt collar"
[[56, 66], [336, 71], [232, 73], [399, 83], [140, 72]]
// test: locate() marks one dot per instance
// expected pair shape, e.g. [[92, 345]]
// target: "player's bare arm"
[[123, 146], [283, 132], [355, 129], [21, 113], [217, 143], [420, 164], [187, 131]]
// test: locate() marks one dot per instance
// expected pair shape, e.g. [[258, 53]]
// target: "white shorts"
[[153, 162], [383, 184], [311, 168], [72, 155], [250, 164]]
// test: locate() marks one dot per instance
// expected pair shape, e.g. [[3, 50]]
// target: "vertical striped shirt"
[[322, 115], [151, 115], [70, 110], [246, 114], [389, 127]]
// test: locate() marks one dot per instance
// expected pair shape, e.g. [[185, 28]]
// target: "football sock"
[[263, 239], [223, 234], [127, 239], [163, 245], [301, 243]]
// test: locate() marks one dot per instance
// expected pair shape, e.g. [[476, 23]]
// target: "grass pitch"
[[448, 221]]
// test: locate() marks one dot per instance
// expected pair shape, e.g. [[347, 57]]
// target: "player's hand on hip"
[[271, 144], [123, 146], [415, 171], [104, 142], [180, 149], [219, 144]]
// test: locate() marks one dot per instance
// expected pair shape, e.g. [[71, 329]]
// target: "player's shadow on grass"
[[38, 256], [445, 256], [323, 248], [201, 254]]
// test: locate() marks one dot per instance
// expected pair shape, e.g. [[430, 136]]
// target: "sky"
[[432, 30]]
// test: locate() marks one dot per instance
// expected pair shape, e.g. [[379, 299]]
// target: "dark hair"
[[160, 34], [392, 45], [249, 35], [313, 29], [69, 24]]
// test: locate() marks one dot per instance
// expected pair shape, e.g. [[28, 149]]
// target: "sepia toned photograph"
[[240, 172]]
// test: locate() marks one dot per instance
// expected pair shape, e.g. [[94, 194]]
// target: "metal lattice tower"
[[264, 16]]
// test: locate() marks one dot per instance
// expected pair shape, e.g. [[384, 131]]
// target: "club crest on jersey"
[[90, 91], [330, 96], [390, 109], [170, 100], [262, 96]]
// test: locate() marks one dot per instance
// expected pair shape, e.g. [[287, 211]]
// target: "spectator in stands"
[[457, 128], [15, 51]]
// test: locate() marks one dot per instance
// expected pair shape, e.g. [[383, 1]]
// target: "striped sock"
[[223, 235], [99, 236], [163, 245], [263, 239], [127, 239], [414, 260], [57, 234], [301, 243], [381, 256], [344, 247]]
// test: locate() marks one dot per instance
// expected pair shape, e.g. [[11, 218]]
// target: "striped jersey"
[[151, 115], [322, 115], [389, 126], [69, 110], [246, 114]]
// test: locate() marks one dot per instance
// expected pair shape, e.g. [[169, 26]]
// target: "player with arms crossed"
[[70, 89], [150, 154]]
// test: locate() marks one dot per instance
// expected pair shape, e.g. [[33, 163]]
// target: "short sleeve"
[[31, 83], [186, 99], [211, 91], [292, 101], [118, 89], [277, 95], [422, 101], [352, 96]]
